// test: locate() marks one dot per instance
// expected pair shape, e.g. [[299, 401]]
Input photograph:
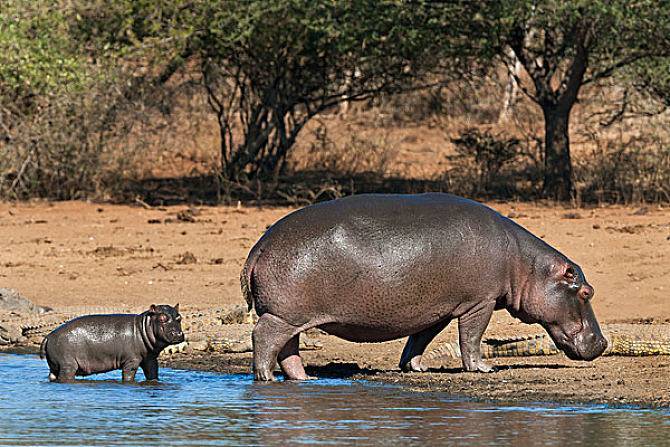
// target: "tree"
[[564, 45], [269, 66], [36, 57]]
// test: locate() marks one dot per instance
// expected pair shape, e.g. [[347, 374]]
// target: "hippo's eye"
[[570, 273]]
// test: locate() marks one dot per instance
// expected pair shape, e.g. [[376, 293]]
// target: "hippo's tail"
[[245, 278], [43, 348]]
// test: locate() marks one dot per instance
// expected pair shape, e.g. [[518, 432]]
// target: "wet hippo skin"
[[99, 343], [373, 267]]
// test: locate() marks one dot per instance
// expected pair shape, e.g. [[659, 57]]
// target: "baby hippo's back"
[[96, 343], [100, 343]]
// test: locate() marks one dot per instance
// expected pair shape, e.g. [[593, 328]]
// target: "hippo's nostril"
[[586, 293]]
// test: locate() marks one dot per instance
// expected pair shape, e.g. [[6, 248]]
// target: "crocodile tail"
[[245, 277], [43, 348], [526, 346]]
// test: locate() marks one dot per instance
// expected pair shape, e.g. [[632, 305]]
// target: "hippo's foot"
[[479, 366], [290, 361], [414, 365], [263, 376], [410, 360], [275, 339]]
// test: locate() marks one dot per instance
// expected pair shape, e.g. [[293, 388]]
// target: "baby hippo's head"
[[166, 323]]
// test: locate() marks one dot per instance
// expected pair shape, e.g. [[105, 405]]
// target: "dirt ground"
[[87, 254]]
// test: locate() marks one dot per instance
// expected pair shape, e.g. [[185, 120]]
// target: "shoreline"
[[518, 380], [85, 255]]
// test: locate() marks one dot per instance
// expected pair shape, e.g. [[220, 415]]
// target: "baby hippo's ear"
[[176, 307], [153, 309]]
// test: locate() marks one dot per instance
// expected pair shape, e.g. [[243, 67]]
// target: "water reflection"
[[199, 408]]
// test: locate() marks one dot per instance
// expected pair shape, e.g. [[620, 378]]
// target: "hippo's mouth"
[[583, 345], [177, 337]]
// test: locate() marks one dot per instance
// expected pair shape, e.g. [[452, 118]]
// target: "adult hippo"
[[373, 268]]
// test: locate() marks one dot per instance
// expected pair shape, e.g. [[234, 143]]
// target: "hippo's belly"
[[374, 333], [364, 334]]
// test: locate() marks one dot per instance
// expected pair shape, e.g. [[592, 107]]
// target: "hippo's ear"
[[176, 307], [560, 269], [570, 273], [153, 309]]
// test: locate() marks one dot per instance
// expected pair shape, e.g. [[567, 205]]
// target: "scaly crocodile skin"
[[221, 329], [622, 339]]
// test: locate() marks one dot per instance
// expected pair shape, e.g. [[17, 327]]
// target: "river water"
[[202, 408]]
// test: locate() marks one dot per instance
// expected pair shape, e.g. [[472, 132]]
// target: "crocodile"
[[622, 340], [225, 329], [13, 301], [19, 327]]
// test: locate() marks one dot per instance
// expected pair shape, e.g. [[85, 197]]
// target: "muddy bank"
[[640, 381], [83, 254]]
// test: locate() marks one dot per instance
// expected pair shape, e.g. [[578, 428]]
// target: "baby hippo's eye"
[[570, 273]]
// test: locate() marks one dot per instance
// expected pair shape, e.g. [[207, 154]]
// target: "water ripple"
[[202, 408]]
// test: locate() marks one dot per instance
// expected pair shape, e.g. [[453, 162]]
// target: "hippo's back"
[[361, 258], [92, 335]]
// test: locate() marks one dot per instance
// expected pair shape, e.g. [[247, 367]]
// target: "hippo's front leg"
[[150, 367], [471, 327]]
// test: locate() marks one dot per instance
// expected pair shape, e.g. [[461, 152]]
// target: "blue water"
[[201, 408]]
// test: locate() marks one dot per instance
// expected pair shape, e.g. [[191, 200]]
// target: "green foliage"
[[37, 57], [651, 76], [73, 72], [270, 66], [564, 45]]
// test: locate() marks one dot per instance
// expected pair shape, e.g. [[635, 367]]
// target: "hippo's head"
[[166, 323], [558, 298]]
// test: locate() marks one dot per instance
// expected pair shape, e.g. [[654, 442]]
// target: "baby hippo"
[[99, 343]]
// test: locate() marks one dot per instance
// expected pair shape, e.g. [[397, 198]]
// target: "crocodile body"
[[622, 340], [21, 327], [226, 329]]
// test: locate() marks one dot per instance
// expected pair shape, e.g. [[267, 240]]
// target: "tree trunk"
[[557, 164]]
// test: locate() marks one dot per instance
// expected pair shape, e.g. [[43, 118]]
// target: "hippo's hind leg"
[[53, 370], [410, 360], [129, 369], [290, 361], [66, 373], [471, 327], [271, 337]]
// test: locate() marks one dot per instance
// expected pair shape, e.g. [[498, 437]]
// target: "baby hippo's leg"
[[67, 372], [129, 369], [53, 370], [150, 367]]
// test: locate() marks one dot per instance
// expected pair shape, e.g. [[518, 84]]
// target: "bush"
[[625, 173], [355, 155], [72, 149], [487, 165]]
